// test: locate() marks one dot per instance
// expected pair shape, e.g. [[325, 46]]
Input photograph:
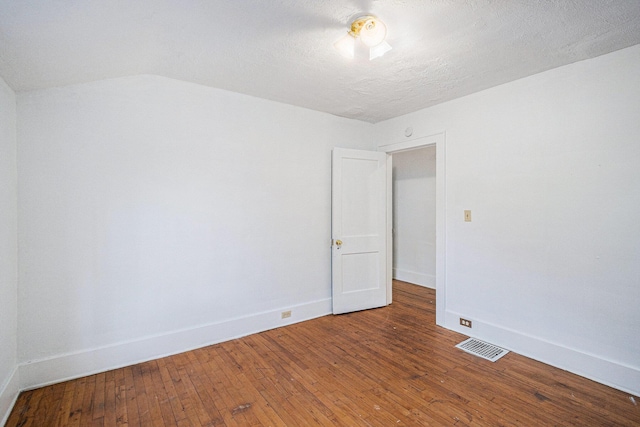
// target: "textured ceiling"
[[282, 49]]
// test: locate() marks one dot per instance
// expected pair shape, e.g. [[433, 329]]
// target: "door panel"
[[359, 272], [360, 215]]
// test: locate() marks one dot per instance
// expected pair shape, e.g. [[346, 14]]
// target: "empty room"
[[291, 213]]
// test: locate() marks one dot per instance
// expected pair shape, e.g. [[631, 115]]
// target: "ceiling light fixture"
[[372, 33]]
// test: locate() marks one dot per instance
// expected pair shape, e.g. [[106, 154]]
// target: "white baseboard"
[[38, 373], [426, 280], [8, 394], [607, 372]]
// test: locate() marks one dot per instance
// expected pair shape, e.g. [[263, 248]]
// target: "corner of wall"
[[9, 375], [9, 392]]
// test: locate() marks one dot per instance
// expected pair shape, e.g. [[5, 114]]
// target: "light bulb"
[[346, 46], [373, 32], [379, 50]]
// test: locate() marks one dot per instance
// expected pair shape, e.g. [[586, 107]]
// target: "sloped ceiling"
[[283, 49]]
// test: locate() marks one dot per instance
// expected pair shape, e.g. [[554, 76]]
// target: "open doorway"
[[414, 216], [439, 141]]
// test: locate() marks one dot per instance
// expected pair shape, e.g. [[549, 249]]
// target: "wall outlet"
[[465, 322], [286, 314]]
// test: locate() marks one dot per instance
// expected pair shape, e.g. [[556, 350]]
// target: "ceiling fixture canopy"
[[372, 33]]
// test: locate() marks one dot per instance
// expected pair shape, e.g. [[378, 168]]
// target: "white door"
[[360, 230]]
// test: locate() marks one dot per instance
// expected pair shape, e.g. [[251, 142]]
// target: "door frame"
[[439, 140]]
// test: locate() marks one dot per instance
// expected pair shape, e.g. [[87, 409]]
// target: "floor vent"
[[482, 349]]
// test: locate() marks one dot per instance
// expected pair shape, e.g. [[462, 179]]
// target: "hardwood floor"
[[385, 367]]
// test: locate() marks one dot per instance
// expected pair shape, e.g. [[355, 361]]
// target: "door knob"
[[338, 243]]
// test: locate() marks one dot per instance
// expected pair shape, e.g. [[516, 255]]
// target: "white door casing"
[[360, 227]]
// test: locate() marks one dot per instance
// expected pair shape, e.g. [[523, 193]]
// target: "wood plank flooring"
[[385, 367]]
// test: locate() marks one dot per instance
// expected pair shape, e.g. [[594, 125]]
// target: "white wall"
[[158, 216], [9, 383], [549, 166], [414, 216]]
